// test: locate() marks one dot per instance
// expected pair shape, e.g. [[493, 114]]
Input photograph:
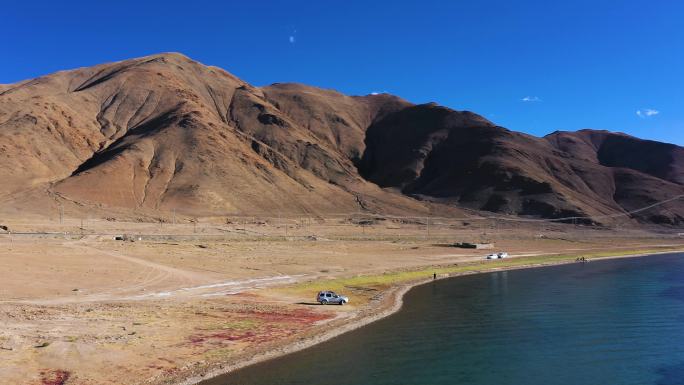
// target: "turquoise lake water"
[[614, 322]]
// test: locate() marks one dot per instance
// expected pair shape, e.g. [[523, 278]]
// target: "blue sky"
[[532, 66]]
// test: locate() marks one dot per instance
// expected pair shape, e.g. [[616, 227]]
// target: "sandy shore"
[[177, 305], [391, 303]]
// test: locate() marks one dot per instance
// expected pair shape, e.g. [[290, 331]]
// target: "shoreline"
[[391, 302], [362, 317]]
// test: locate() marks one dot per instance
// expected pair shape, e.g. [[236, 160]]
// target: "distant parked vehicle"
[[500, 255], [330, 297]]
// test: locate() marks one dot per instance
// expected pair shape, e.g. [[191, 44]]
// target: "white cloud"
[[531, 99], [292, 37], [647, 113], [378, 93]]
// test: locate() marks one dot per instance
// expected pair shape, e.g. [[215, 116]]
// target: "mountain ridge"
[[164, 132]]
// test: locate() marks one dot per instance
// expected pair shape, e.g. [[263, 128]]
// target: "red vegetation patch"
[[299, 316], [232, 337], [272, 325], [196, 339], [221, 336], [54, 377]]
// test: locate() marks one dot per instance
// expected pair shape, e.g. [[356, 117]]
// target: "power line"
[[624, 214]]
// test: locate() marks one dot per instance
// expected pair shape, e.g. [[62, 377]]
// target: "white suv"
[[329, 297], [500, 255]]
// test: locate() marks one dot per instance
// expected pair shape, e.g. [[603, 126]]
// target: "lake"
[[617, 321]]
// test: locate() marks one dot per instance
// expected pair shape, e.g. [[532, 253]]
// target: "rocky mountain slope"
[[165, 132]]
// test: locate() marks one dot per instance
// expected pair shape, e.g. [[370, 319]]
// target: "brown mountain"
[[165, 132]]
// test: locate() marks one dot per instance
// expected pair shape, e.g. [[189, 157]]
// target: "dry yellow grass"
[[168, 306], [362, 285]]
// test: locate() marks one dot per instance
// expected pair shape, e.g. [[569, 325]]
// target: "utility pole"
[[427, 227], [358, 219]]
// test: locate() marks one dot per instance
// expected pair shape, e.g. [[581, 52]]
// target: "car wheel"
[[324, 302], [341, 303]]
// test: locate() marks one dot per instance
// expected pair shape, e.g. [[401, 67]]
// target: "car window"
[[327, 295]]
